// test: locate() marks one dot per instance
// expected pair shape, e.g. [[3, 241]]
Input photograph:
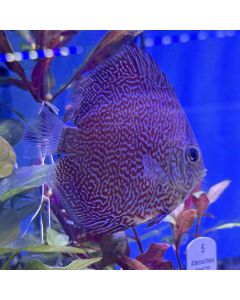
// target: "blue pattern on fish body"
[[125, 160]]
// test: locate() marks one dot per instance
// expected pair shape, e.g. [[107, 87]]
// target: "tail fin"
[[45, 133]]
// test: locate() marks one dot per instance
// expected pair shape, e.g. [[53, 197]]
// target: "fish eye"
[[192, 154]]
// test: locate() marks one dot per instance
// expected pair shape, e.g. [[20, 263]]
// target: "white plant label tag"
[[202, 254]]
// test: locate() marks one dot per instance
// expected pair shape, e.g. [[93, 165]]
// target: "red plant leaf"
[[14, 81], [128, 263], [165, 265], [108, 45], [61, 39], [38, 78], [188, 203], [183, 223], [52, 38], [39, 36], [47, 39], [201, 202], [14, 66], [5, 47], [153, 258]]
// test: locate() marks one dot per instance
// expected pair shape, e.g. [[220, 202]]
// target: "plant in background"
[[181, 220]]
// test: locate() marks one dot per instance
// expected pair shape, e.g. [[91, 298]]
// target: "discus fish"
[[131, 155]]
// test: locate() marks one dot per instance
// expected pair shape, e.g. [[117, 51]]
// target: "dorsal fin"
[[127, 68]]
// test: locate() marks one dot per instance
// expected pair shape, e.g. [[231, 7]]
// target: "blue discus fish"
[[131, 155]]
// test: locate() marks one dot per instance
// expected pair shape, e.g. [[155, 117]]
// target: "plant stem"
[[137, 239], [197, 228], [49, 212], [178, 258], [33, 217], [6, 265]]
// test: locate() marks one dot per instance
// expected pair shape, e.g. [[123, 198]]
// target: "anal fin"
[[156, 220]]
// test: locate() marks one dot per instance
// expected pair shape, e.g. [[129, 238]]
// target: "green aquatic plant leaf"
[[9, 226], [43, 249], [7, 158], [6, 265], [11, 130], [27, 36], [79, 264], [27, 208], [150, 234], [113, 246], [23, 179], [28, 240], [55, 238], [223, 226], [216, 190], [19, 114]]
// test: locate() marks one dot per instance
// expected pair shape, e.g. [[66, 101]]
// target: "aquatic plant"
[[56, 243], [41, 83], [7, 158]]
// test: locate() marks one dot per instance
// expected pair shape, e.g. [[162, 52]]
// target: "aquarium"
[[119, 149]]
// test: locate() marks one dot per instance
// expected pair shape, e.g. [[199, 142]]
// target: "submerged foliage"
[[25, 198], [7, 158]]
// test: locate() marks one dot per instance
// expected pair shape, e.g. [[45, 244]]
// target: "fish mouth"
[[204, 173], [196, 186], [199, 182]]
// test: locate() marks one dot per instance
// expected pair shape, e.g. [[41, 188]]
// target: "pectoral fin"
[[152, 169]]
